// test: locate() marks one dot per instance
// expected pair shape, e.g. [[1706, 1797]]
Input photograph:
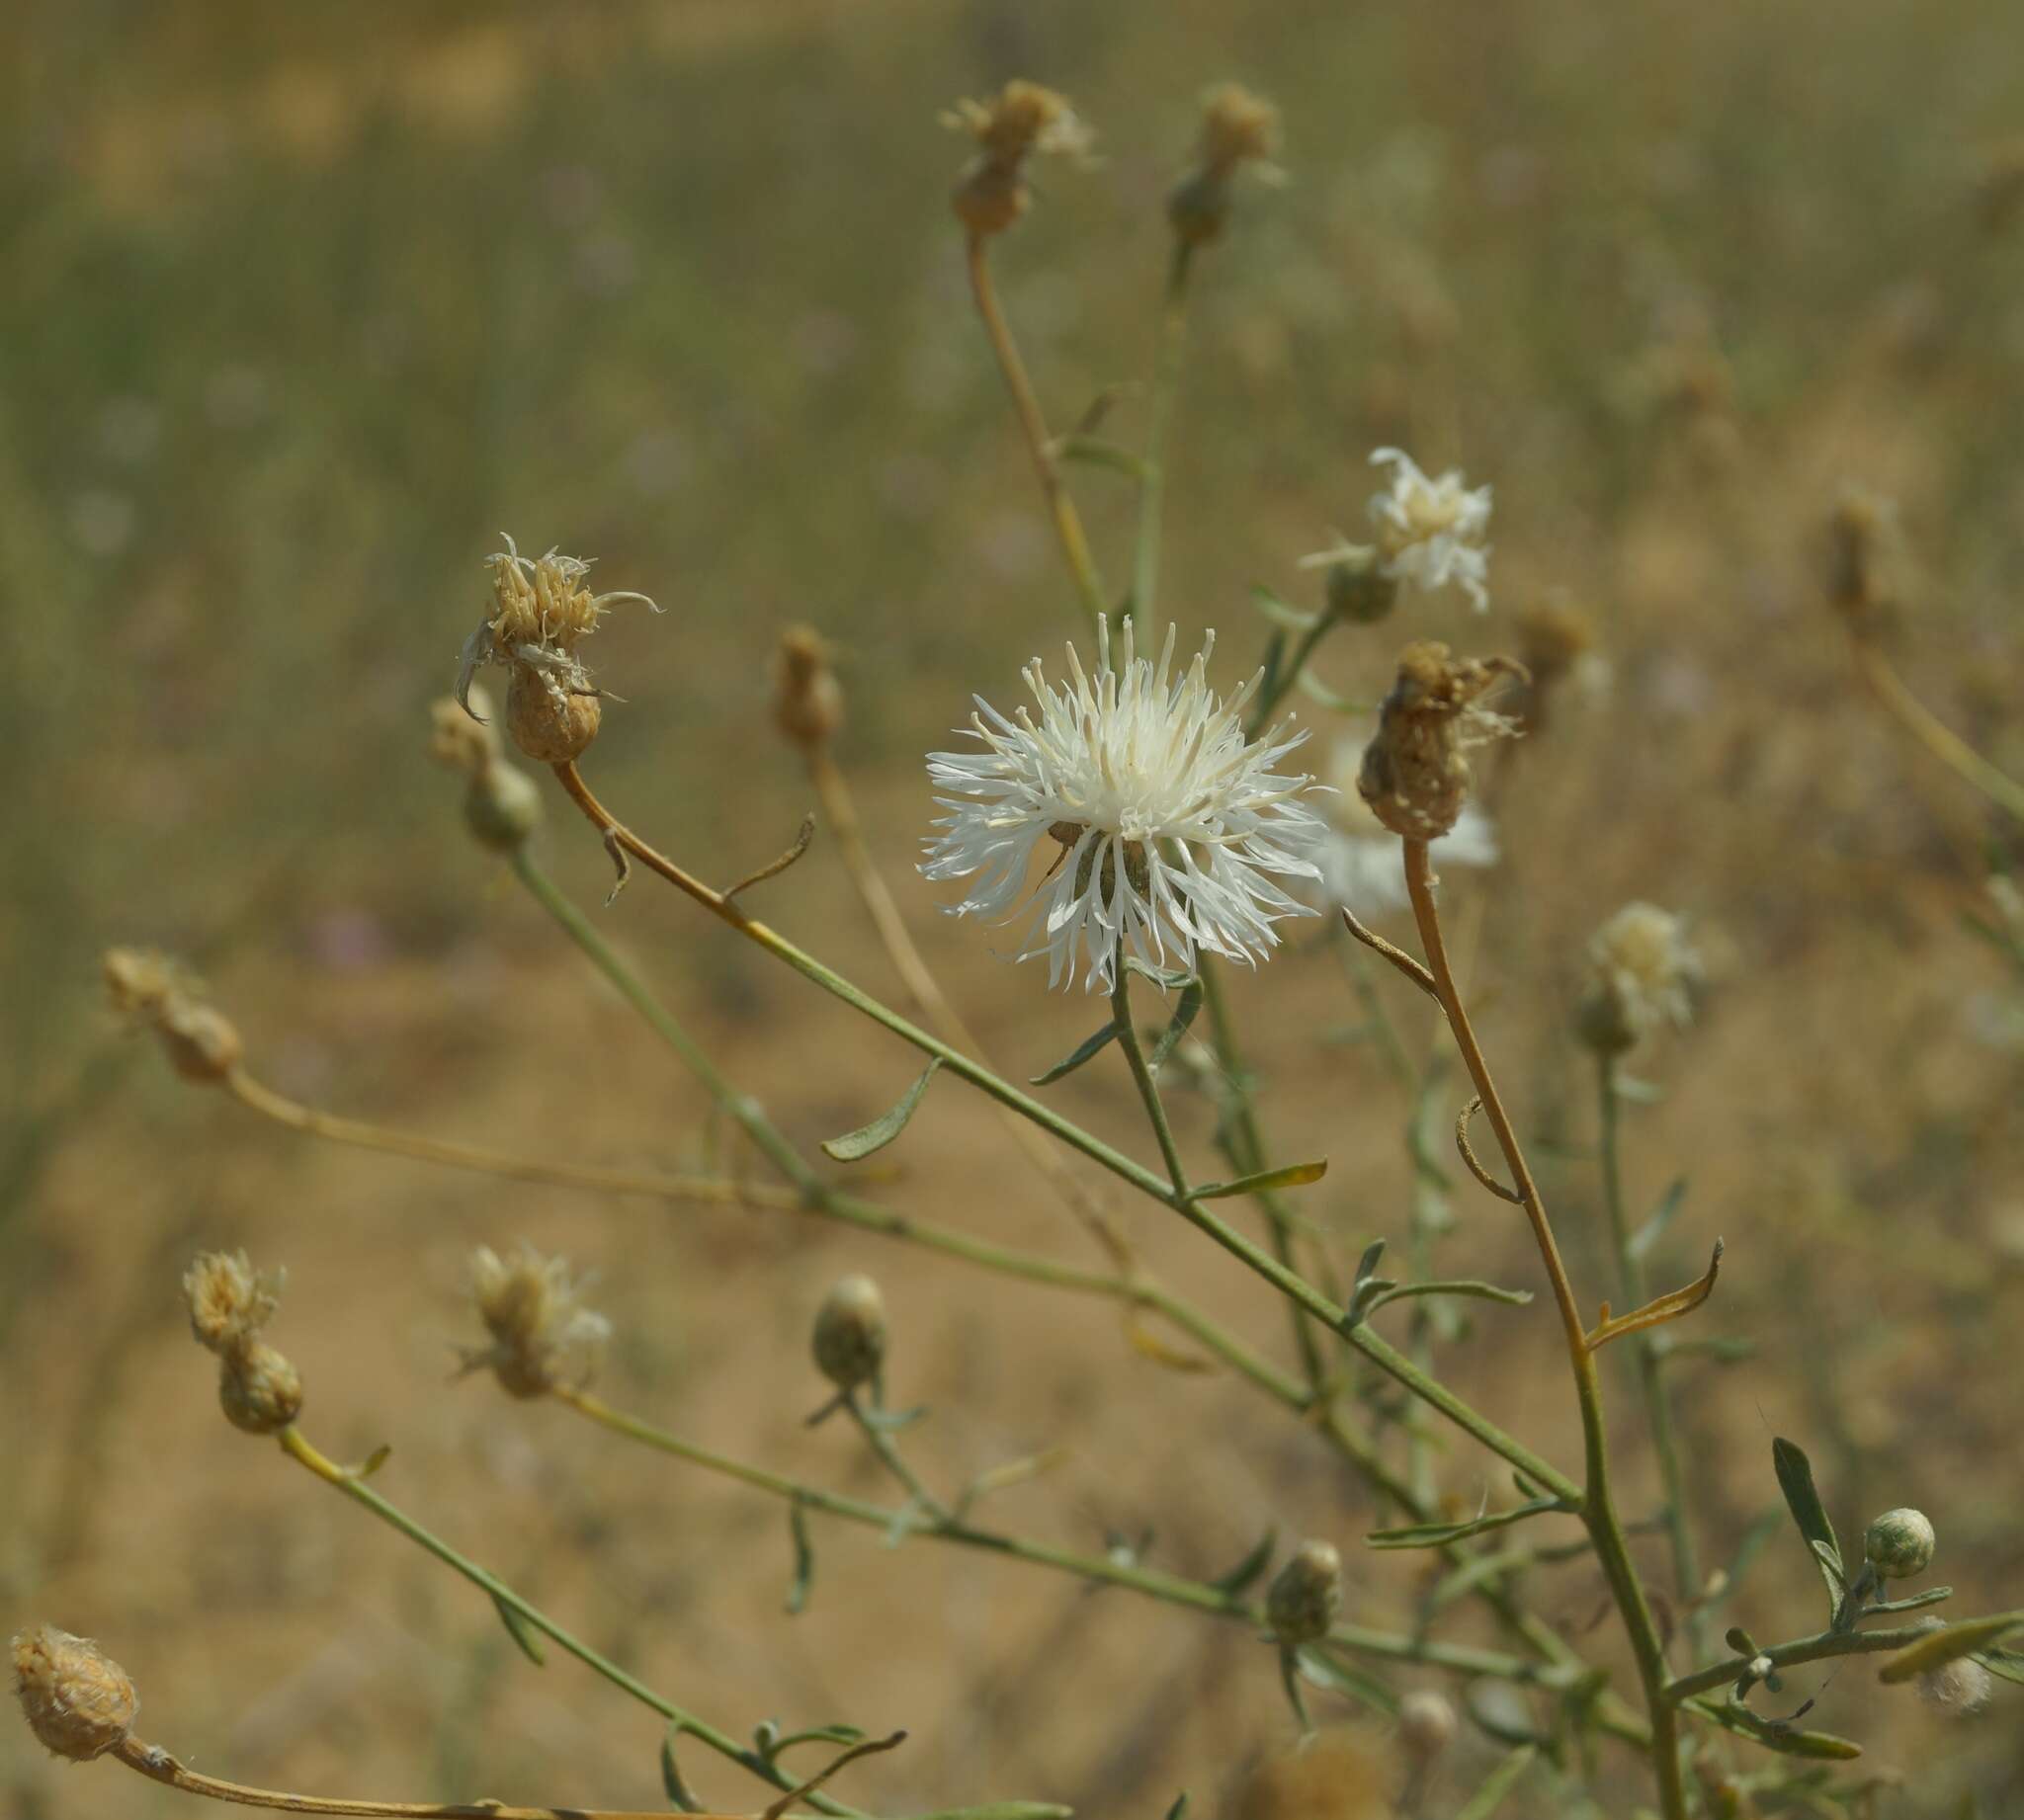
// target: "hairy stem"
[[1032, 423], [1599, 1511]]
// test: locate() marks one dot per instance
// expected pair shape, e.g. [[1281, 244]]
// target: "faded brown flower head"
[[1305, 1598], [808, 700], [1238, 127], [1346, 1772], [1557, 646], [1427, 1724], [543, 1338], [540, 611], [153, 993], [1643, 973], [850, 1332], [228, 1301], [1866, 558], [1024, 119], [78, 1701], [1416, 771]]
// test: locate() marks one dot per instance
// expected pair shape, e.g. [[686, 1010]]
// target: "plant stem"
[[1932, 733], [1387, 1358], [1067, 522], [297, 1448], [158, 1765], [1819, 1647], [1283, 680], [1651, 1369], [1166, 378], [1172, 1589], [1148, 1088], [1599, 1511], [892, 1460]]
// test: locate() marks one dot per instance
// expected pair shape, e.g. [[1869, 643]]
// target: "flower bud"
[[259, 1390], [1426, 1724], [1865, 556], [155, 994], [1024, 119], [1898, 1545], [1237, 129], [1415, 773], [808, 700], [850, 1332], [77, 1700], [1358, 587], [1305, 1595], [502, 806]]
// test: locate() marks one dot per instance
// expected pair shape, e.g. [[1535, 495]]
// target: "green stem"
[[1148, 1088], [299, 1449], [1166, 378], [1651, 1369], [1171, 1588], [1286, 676], [892, 1460], [1819, 1647]]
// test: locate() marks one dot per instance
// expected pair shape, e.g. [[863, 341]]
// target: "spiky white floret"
[[1166, 826]]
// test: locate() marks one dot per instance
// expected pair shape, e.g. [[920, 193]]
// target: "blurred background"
[[302, 308]]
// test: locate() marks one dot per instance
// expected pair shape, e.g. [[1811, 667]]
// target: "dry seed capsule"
[[1305, 1595], [78, 1701], [259, 1390], [850, 1332]]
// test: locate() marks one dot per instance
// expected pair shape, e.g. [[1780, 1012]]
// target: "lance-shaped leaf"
[[671, 1778], [1932, 1596], [1185, 1013], [2007, 1663], [1179, 1810], [777, 1744], [1654, 1229], [1099, 451], [1490, 1792], [1324, 1669], [1439, 1534], [1796, 1481], [1293, 1175], [1091, 1046], [1469, 1286], [1949, 1644], [1312, 686], [1283, 612], [852, 1146], [804, 1560], [1250, 1568], [522, 1633], [1773, 1735], [1657, 1313]]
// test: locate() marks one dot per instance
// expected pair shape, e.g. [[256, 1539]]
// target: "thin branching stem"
[[1032, 423], [894, 1462], [298, 1447], [1166, 386], [1933, 733], [1141, 1076], [1599, 1511], [1281, 683], [1819, 1647]]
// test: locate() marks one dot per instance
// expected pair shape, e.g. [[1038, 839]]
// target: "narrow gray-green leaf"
[[1082, 1051], [1796, 1481], [2007, 1663], [1184, 1015], [1439, 1534], [804, 1560], [1250, 1568], [1948, 1644], [1179, 1810], [523, 1633], [1481, 1291], [671, 1779], [1283, 612], [1930, 1596], [1293, 1175], [1098, 452], [1654, 1229], [1819, 1745], [853, 1146], [1492, 1790], [1167, 979], [1368, 1262], [1330, 1671], [1312, 686]]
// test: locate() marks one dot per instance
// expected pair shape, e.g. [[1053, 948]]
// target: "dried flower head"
[[1238, 127], [259, 1390], [1959, 1689], [501, 806], [1024, 119], [78, 1701], [1168, 823], [1345, 1772], [1362, 864], [1641, 974], [228, 1301], [808, 700], [540, 610], [1557, 646], [1305, 1598], [542, 1336], [1427, 1724], [1898, 1545], [154, 993], [1866, 556], [1416, 771], [850, 1332]]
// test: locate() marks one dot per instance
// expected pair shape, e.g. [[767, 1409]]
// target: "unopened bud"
[[1898, 1545], [1359, 589], [1865, 556], [501, 806], [1426, 1724], [1415, 771], [259, 1390], [78, 1701], [850, 1332], [155, 994], [1023, 118], [1305, 1595], [808, 700]]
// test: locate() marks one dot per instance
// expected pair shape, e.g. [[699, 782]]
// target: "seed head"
[[154, 993], [1959, 1689], [1641, 974], [1305, 1596], [228, 1301], [1426, 1724], [1898, 1545], [540, 610], [259, 1390], [808, 700], [1237, 129], [77, 1700], [850, 1332], [542, 1336], [1416, 771], [991, 193]]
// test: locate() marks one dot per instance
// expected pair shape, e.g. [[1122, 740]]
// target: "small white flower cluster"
[[1429, 531], [1169, 824]]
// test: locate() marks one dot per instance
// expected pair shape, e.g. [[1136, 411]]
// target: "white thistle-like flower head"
[[1363, 863], [1643, 973], [1431, 531], [1165, 824]]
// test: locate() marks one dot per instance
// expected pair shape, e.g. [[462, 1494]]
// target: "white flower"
[[1363, 863], [1643, 973], [1166, 821], [1429, 531]]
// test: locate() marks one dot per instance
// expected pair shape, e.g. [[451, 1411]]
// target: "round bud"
[[200, 1041], [1426, 1724], [1358, 587], [551, 728], [1305, 1595], [1198, 207], [808, 700], [990, 197], [850, 1332], [502, 807], [1898, 1545], [259, 1390], [1602, 1021], [78, 1701]]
